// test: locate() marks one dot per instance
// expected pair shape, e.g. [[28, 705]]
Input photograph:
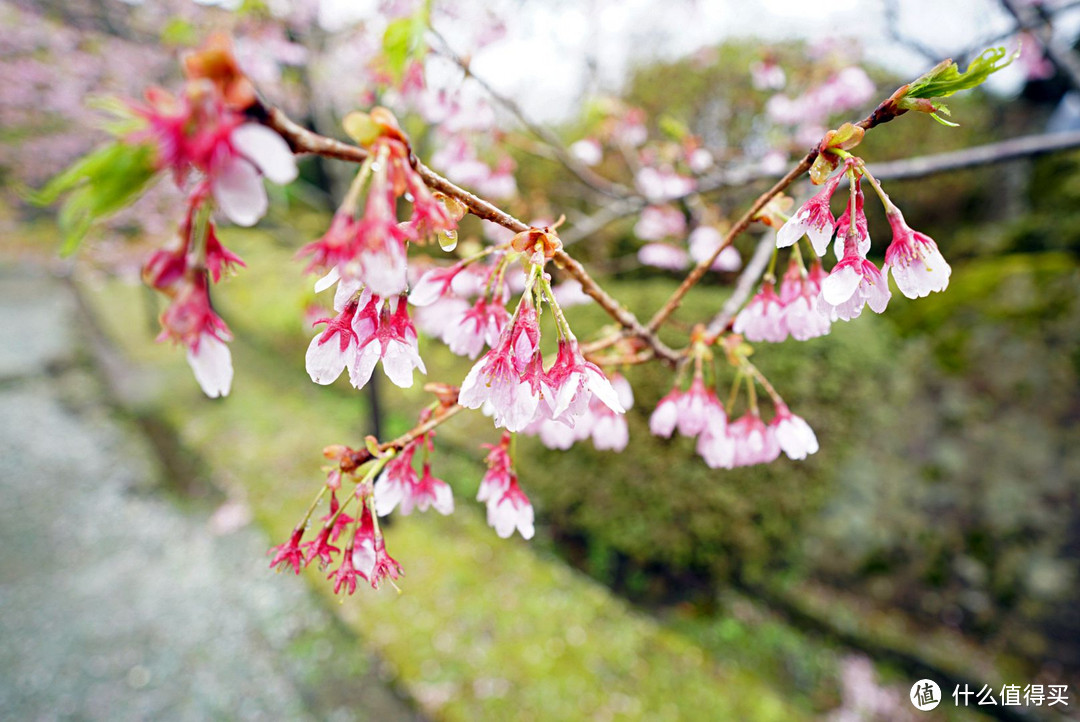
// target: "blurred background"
[[935, 535]]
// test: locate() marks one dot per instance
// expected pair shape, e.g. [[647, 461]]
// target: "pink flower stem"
[[777, 401], [885, 200], [561, 323]]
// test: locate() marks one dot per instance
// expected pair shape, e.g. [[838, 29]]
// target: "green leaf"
[[673, 128], [96, 186], [945, 78], [178, 32]]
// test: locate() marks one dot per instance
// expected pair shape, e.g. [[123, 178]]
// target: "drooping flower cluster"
[[220, 159], [510, 380], [508, 509], [809, 301], [607, 428], [367, 246], [745, 441], [368, 329], [365, 554], [401, 487]]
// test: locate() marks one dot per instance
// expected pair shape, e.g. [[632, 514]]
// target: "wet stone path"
[[118, 601]]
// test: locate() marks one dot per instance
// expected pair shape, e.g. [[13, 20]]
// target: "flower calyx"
[[215, 62], [366, 128], [540, 244], [832, 149]]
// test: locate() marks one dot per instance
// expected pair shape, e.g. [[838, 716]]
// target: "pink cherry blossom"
[[814, 220], [763, 319], [717, 447], [219, 259], [211, 363], [755, 443], [396, 483], [385, 332], [660, 184], [480, 324], [666, 414], [334, 350], [607, 426], [853, 283], [916, 263], [662, 255], [496, 379], [659, 222], [288, 555], [385, 566], [793, 434], [843, 226], [433, 285], [363, 547], [569, 293], [799, 293], [703, 242], [510, 510], [191, 321], [253, 150], [575, 382], [698, 409], [344, 576], [499, 469]]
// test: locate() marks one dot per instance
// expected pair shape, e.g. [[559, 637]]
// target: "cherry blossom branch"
[[357, 457], [302, 140], [885, 112]]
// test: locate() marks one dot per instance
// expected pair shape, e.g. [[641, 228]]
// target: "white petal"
[[360, 371], [603, 390], [327, 281], [398, 366], [325, 361], [444, 499], [819, 239], [840, 285], [387, 495], [239, 192], [791, 231], [212, 366], [877, 294], [474, 391], [267, 150]]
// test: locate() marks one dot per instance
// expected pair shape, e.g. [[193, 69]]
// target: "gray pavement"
[[119, 602]]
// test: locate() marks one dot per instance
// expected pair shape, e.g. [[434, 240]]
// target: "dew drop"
[[448, 240]]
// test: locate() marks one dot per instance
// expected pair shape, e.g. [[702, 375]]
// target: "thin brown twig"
[[1000, 152], [1062, 56], [559, 152], [304, 141], [885, 112], [744, 286], [357, 457]]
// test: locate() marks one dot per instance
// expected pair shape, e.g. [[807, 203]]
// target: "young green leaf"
[[96, 186], [945, 78]]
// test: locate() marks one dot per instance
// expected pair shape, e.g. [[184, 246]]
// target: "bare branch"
[[990, 153], [744, 286], [1060, 55], [582, 172]]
